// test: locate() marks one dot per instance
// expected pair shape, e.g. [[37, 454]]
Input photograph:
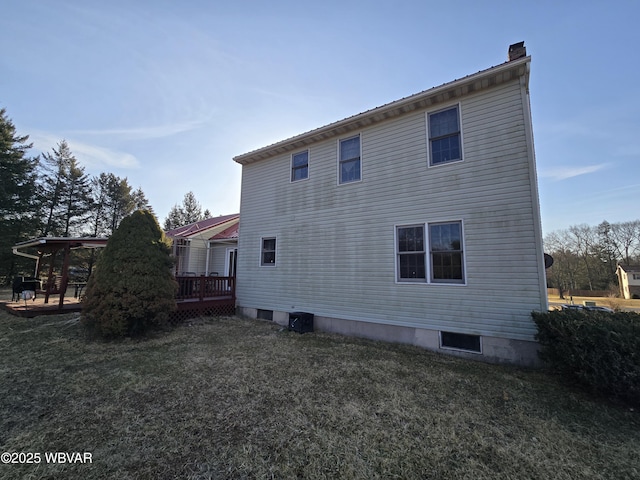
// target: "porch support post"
[[52, 261], [65, 274]]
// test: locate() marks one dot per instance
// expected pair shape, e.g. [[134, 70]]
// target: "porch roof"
[[44, 245], [200, 226], [230, 233]]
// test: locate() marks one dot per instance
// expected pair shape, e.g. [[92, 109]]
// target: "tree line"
[[52, 195], [586, 257]]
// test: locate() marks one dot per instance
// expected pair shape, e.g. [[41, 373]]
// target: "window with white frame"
[[445, 252], [444, 136], [268, 253], [349, 160], [431, 253], [411, 253], [300, 166]]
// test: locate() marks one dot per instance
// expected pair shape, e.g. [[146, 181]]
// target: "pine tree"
[[66, 192], [174, 219], [76, 199], [191, 208], [18, 195], [132, 288], [113, 200], [189, 212]]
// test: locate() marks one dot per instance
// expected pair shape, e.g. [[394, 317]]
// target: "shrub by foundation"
[[599, 350]]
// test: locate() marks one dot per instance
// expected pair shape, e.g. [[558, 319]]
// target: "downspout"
[[206, 263]]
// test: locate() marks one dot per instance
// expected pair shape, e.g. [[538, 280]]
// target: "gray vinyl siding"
[[198, 247], [197, 256], [336, 254], [218, 257]]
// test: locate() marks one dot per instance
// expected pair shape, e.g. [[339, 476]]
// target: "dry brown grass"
[[612, 301], [231, 398]]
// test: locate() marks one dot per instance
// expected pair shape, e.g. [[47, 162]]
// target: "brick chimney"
[[517, 50]]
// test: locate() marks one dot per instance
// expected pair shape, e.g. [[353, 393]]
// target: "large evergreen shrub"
[[131, 288], [599, 350]]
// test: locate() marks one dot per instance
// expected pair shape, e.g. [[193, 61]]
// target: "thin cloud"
[[563, 173], [96, 157], [91, 156], [142, 133]]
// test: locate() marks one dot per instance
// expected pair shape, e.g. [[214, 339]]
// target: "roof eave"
[[482, 80]]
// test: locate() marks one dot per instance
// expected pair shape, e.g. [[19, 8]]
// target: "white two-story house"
[[415, 222], [629, 280]]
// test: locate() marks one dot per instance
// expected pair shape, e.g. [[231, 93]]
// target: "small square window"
[[268, 256], [444, 136], [300, 166], [349, 160]]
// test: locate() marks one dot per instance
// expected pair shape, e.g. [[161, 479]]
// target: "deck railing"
[[201, 288]]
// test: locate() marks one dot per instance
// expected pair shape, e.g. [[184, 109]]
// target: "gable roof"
[[476, 82], [629, 268], [230, 233], [201, 226]]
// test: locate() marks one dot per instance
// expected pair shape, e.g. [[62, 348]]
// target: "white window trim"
[[397, 254], [426, 118], [428, 280], [338, 160], [291, 180], [262, 239]]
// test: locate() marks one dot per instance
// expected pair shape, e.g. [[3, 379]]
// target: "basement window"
[[265, 315], [461, 341]]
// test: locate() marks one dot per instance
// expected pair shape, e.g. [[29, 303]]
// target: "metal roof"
[[200, 226], [230, 233], [48, 243]]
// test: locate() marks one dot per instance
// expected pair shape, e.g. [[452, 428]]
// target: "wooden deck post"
[[65, 275]]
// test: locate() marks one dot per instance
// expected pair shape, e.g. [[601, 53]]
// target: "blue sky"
[[166, 93]]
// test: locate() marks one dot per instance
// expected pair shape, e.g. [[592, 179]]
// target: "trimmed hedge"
[[598, 349]]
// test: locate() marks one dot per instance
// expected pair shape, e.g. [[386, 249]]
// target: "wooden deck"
[[37, 307], [197, 296], [200, 296]]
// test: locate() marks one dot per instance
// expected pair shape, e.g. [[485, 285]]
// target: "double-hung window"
[[300, 166], [430, 253], [445, 252], [268, 253], [411, 253], [444, 136], [349, 160]]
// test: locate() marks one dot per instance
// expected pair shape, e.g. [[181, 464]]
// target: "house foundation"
[[492, 349]]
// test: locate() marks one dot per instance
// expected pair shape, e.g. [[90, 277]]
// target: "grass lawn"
[[232, 398], [611, 302]]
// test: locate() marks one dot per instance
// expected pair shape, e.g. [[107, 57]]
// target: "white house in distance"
[[207, 247], [414, 222], [629, 281]]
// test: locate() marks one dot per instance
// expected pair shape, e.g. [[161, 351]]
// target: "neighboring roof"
[[230, 233], [200, 226], [490, 77], [629, 268]]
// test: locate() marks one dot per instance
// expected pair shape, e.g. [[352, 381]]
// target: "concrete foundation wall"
[[494, 349]]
